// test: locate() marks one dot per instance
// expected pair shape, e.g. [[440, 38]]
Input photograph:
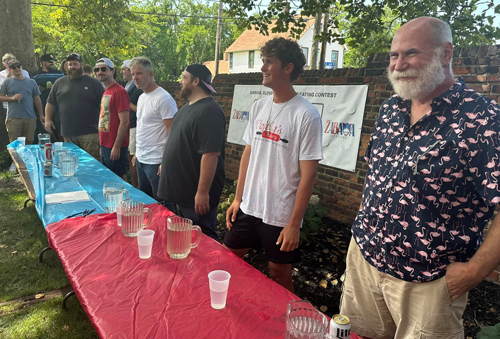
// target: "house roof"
[[223, 66], [251, 39]]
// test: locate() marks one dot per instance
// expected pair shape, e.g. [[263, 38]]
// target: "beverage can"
[[340, 327], [47, 169], [48, 152]]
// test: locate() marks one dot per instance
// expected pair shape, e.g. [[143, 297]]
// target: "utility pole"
[[314, 50], [324, 42], [218, 38]]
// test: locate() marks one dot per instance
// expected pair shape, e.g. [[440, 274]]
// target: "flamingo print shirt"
[[431, 187]]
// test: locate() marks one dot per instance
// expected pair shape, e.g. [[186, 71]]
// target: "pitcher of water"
[[69, 163], [179, 237], [132, 217], [113, 193], [304, 321]]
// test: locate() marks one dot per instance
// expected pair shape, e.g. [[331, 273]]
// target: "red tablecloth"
[[126, 297]]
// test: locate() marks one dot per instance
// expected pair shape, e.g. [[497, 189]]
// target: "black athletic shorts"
[[251, 232]]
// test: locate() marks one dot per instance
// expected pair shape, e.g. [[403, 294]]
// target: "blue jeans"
[[206, 222], [148, 179]]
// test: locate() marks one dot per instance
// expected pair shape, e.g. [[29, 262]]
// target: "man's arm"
[[242, 175], [208, 167], [121, 134], [38, 105], [5, 98], [290, 235], [133, 107], [168, 124], [462, 277], [49, 111]]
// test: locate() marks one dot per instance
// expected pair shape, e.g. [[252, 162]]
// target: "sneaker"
[[13, 168]]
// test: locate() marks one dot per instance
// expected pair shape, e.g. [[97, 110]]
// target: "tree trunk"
[[17, 32]]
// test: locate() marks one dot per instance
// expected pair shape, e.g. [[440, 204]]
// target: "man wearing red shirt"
[[113, 119]]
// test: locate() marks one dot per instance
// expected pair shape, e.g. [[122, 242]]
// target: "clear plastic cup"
[[219, 284], [145, 243], [22, 140]]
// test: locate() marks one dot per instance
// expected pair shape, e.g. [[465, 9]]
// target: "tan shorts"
[[21, 128], [381, 306], [131, 142], [88, 142]]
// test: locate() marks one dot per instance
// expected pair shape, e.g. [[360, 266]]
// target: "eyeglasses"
[[15, 67], [103, 69]]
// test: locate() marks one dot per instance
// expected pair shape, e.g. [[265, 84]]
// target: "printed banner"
[[341, 109]]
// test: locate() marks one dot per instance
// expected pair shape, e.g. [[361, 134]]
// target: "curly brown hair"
[[287, 51]]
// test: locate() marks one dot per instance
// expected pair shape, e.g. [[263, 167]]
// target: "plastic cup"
[[22, 140], [58, 145], [219, 284], [145, 243]]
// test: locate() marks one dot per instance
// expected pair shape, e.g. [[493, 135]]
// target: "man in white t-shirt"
[[155, 111], [278, 166]]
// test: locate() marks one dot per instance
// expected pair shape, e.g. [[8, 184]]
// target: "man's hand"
[[201, 203], [460, 278], [115, 153], [231, 213], [17, 97], [159, 170], [49, 125], [42, 119], [289, 238], [132, 161], [41, 88]]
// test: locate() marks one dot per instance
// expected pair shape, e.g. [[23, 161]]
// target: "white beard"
[[424, 81]]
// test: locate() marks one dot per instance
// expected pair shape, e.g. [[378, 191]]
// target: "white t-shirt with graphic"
[[280, 135], [151, 133]]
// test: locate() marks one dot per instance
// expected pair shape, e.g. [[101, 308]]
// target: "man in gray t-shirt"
[[78, 99], [20, 93]]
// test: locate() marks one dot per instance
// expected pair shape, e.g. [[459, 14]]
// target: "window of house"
[[251, 57], [335, 59], [305, 50], [230, 60]]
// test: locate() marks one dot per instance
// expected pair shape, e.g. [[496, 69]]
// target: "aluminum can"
[[340, 327], [48, 152], [47, 169]]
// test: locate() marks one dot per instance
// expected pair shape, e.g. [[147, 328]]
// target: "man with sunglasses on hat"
[[45, 77], [78, 99], [20, 93], [6, 73], [192, 174], [113, 120]]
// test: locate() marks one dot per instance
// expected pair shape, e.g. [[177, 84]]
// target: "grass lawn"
[[22, 237]]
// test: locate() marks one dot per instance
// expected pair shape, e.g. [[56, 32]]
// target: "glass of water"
[[113, 194]]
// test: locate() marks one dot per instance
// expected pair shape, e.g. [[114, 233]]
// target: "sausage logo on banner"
[[341, 109]]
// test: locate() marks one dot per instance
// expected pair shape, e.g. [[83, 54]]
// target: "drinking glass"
[[145, 243], [133, 217], [304, 321], [179, 237], [43, 138], [69, 163], [113, 193], [218, 281]]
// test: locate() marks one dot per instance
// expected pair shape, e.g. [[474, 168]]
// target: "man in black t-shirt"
[[192, 170], [134, 93], [78, 99]]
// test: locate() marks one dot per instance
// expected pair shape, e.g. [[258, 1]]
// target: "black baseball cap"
[[47, 57], [203, 73], [74, 56]]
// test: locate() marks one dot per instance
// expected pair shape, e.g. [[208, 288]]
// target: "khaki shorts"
[[131, 142], [381, 306], [21, 128], [88, 142]]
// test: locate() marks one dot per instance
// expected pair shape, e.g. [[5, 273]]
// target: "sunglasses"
[[102, 69], [15, 67]]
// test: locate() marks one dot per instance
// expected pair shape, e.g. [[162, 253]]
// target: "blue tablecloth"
[[90, 176]]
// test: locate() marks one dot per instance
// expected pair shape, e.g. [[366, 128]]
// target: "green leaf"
[[316, 219], [497, 327], [482, 335], [313, 226], [497, 9], [489, 330]]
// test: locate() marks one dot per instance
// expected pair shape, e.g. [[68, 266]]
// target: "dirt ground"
[[317, 277]]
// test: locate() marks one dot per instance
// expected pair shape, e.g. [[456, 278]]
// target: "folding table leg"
[[66, 297], [40, 257], [26, 202]]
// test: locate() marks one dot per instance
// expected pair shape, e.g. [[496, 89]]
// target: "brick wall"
[[341, 191]]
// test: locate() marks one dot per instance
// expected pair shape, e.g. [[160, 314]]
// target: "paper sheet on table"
[[66, 197]]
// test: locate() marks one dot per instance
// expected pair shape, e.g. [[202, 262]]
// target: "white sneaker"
[[13, 168]]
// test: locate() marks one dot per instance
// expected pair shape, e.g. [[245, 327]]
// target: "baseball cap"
[[47, 57], [203, 73], [74, 56], [105, 61], [126, 63], [13, 62]]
